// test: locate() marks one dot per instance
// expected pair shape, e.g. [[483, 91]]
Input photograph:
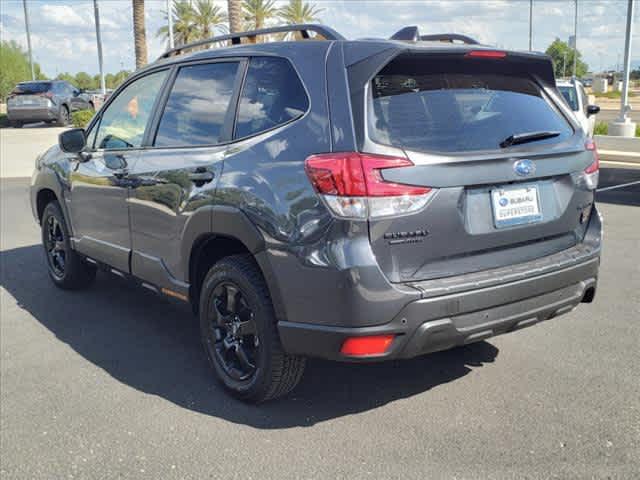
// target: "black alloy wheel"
[[55, 246], [236, 341]]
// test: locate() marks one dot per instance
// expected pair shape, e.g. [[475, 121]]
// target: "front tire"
[[66, 268], [239, 333], [15, 124]]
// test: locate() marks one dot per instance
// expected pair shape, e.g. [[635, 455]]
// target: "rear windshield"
[[457, 112], [569, 94], [32, 87]]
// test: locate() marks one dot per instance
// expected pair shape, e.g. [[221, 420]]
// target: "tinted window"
[[569, 94], [32, 87], [125, 119], [272, 95], [458, 112], [197, 106]]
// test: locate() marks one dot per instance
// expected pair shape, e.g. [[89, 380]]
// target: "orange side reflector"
[[363, 346]]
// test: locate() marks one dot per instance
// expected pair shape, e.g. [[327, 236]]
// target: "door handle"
[[200, 177]]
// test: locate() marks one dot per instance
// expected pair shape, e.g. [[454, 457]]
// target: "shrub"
[[638, 130], [81, 118], [601, 128], [4, 121]]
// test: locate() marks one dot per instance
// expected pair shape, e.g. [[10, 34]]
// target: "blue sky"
[[63, 33]]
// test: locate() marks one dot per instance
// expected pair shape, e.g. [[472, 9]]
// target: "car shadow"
[[153, 346], [610, 191]]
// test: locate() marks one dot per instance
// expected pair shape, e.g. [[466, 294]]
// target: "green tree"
[[184, 26], [84, 81], [258, 12], [67, 77], [298, 11], [562, 55], [14, 68], [208, 18]]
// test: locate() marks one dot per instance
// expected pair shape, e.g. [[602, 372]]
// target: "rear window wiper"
[[518, 138]]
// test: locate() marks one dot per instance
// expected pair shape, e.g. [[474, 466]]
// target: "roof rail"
[[304, 29], [449, 37]]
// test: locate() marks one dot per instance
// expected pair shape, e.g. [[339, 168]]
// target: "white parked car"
[[574, 94]]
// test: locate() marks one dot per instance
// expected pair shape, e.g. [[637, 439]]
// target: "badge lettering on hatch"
[[415, 236]]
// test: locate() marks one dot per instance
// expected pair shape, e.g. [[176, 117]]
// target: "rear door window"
[[457, 112], [197, 106], [272, 95]]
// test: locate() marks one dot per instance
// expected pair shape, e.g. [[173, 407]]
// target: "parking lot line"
[[622, 185]]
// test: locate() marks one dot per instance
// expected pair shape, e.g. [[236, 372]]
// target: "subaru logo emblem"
[[524, 168], [503, 202]]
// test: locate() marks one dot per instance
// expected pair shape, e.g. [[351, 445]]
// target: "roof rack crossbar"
[[236, 38], [449, 37]]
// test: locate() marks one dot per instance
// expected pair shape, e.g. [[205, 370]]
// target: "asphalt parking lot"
[[112, 383]]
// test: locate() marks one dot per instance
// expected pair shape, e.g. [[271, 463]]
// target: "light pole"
[[530, 24], [170, 19], [96, 14], [26, 23], [623, 126], [575, 41]]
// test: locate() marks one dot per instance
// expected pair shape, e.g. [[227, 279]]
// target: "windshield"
[[569, 94], [32, 87], [458, 112]]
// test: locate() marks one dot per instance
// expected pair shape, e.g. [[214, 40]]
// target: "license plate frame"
[[520, 198]]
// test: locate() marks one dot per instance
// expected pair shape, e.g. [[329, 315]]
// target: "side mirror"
[[72, 141], [592, 110]]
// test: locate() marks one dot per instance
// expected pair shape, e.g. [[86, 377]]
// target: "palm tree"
[[207, 18], [257, 12], [184, 29], [234, 10], [299, 12], [139, 33]]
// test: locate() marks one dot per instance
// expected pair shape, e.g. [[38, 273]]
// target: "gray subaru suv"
[[45, 101], [355, 200]]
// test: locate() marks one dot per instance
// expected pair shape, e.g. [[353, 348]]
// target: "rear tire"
[[66, 268], [63, 116], [15, 124], [240, 336]]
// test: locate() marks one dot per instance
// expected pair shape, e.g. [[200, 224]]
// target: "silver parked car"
[[45, 101]]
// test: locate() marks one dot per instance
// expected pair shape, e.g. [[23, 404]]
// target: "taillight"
[[352, 185], [592, 172], [486, 54], [366, 346], [48, 95]]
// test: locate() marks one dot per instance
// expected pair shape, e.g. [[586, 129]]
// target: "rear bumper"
[[468, 308], [35, 114], [439, 323]]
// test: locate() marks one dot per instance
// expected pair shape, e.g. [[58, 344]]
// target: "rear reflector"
[[486, 54], [352, 185], [364, 346]]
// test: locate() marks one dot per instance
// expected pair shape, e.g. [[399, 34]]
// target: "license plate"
[[515, 206]]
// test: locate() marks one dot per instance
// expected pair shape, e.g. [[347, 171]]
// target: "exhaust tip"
[[589, 295]]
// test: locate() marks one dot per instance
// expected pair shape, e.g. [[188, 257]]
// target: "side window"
[[272, 95], [197, 105], [124, 121]]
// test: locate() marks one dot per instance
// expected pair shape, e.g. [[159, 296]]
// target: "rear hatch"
[[502, 162], [30, 94]]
